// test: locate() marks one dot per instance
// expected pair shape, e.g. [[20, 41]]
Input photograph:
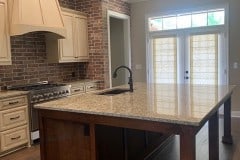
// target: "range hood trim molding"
[[20, 24]]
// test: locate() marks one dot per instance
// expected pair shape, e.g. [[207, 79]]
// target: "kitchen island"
[[68, 126]]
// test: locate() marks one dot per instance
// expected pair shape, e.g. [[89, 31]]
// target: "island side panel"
[[64, 140], [85, 124]]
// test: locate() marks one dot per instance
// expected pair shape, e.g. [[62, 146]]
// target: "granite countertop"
[[178, 104], [7, 94]]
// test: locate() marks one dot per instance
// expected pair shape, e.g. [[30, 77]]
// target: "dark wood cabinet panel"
[[125, 144], [71, 136], [109, 143], [66, 140]]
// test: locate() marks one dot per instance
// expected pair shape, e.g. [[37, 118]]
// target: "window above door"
[[202, 18]]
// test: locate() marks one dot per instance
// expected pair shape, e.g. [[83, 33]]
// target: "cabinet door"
[[67, 52], [5, 54], [81, 34]]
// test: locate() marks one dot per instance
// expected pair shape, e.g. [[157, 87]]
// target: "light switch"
[[138, 66], [235, 65]]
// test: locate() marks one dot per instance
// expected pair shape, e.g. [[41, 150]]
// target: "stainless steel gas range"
[[41, 92]]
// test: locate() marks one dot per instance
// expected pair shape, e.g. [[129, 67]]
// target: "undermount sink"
[[114, 91]]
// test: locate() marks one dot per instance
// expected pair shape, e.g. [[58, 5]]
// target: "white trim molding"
[[236, 114], [127, 39]]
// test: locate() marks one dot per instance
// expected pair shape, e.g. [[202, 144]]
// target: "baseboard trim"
[[236, 114]]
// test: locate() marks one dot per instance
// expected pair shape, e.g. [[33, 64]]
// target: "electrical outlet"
[[235, 65], [73, 74], [138, 66]]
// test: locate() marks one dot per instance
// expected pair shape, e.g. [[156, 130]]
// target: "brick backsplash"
[[29, 51], [29, 63]]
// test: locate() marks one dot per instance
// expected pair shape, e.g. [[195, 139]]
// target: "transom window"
[[187, 20]]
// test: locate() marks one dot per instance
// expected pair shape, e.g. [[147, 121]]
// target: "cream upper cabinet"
[[74, 48], [81, 37], [5, 52], [66, 46]]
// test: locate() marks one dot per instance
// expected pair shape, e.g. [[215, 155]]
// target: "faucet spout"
[[130, 80]]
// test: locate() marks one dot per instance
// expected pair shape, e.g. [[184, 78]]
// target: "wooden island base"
[[129, 127], [65, 136]]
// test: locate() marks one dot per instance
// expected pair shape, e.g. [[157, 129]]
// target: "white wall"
[[141, 9]]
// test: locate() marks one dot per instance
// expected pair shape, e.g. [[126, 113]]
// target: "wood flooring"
[[170, 152]]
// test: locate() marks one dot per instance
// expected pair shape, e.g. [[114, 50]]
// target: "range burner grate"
[[36, 86]]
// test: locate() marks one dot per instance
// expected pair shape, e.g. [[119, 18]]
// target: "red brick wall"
[[93, 10], [96, 11], [68, 4], [29, 50]]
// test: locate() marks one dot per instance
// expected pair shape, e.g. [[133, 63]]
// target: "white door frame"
[[127, 42]]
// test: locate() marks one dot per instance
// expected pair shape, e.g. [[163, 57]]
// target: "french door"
[[196, 58]]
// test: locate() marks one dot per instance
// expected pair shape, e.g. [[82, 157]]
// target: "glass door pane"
[[164, 52], [204, 59]]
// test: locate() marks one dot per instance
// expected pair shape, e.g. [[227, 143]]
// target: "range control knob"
[[45, 95], [39, 97]]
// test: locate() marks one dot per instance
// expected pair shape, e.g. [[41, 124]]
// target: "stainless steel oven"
[[38, 93]]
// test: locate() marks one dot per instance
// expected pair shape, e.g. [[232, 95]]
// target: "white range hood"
[[36, 15]]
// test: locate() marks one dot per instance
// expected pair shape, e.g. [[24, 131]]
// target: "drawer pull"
[[12, 103], [89, 87], [76, 90], [14, 118], [15, 138]]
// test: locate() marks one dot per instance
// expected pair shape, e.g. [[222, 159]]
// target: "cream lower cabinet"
[[74, 48], [14, 124], [79, 87], [5, 52]]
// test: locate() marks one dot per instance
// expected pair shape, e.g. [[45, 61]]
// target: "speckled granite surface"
[[6, 94], [180, 104]]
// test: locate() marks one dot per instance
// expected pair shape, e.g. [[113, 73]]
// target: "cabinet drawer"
[[13, 102], [13, 117], [91, 87], [14, 138], [77, 90]]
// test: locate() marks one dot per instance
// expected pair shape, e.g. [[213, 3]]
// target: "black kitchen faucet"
[[130, 80]]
